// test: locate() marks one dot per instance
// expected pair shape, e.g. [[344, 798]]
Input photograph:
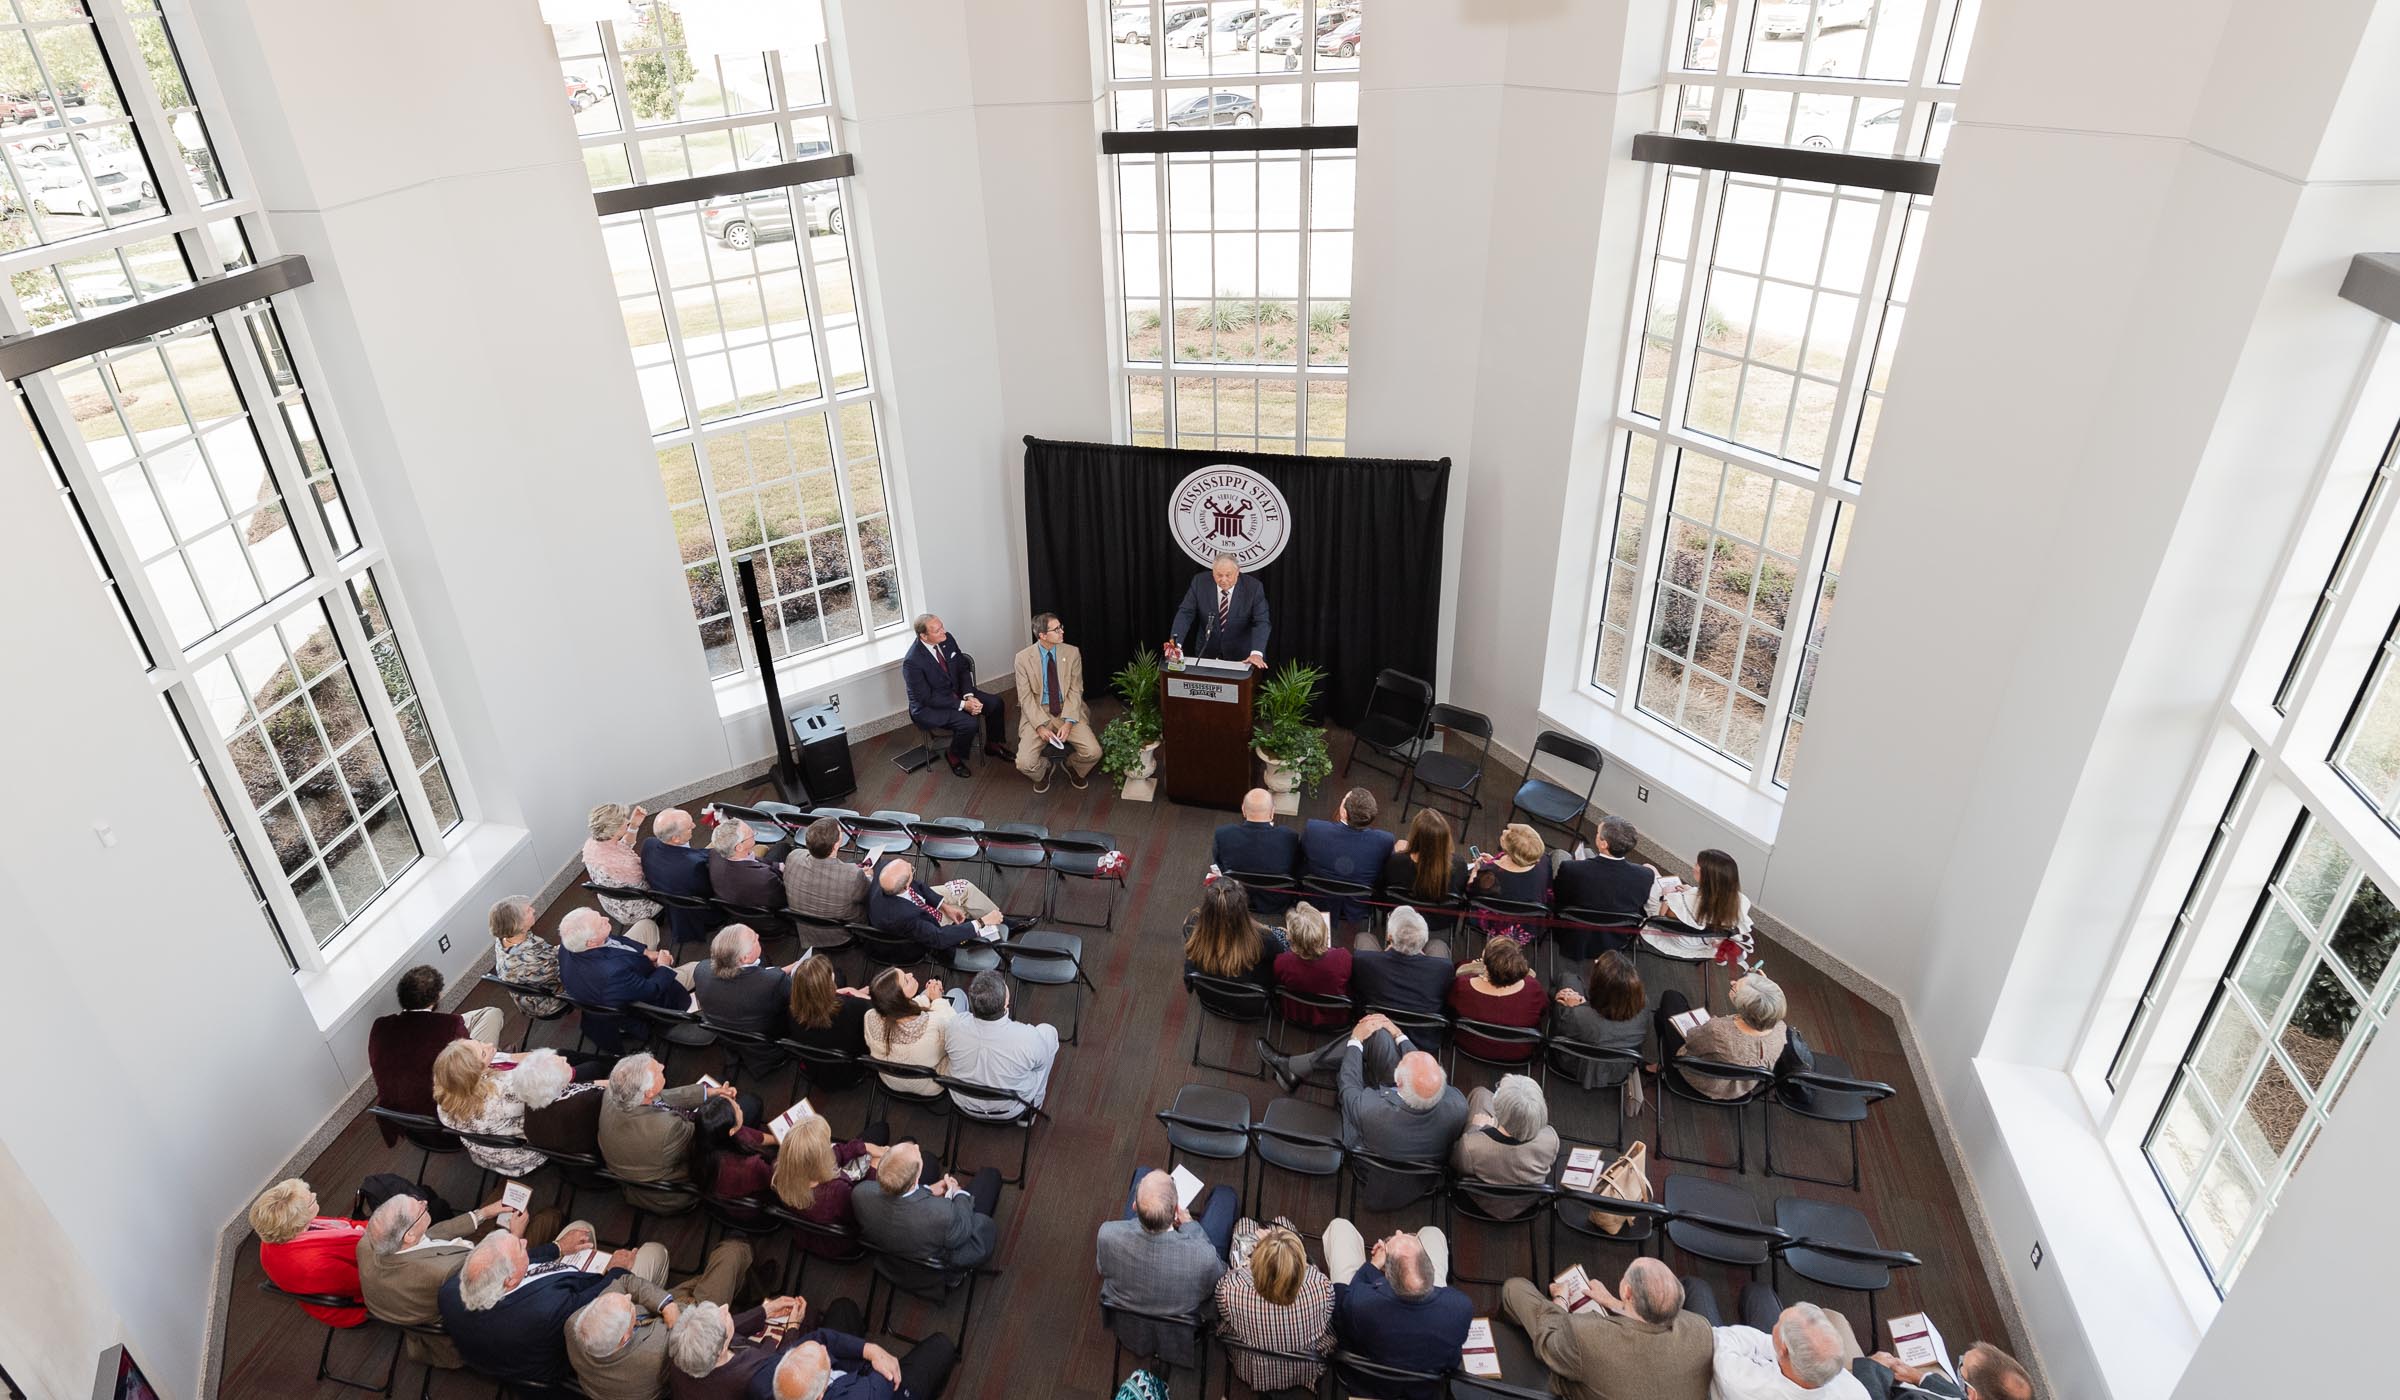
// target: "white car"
[[54, 185], [1789, 19]]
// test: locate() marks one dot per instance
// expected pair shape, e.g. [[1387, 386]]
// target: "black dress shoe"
[[1277, 1065], [959, 766], [1020, 923], [999, 752]]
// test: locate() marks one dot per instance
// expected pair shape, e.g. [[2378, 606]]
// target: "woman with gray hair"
[[1508, 1142], [1753, 1036], [611, 857], [522, 957]]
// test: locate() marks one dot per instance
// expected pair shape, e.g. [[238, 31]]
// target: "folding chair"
[[1077, 855], [1296, 1136], [842, 1244], [1499, 1207], [427, 1134], [1827, 1094], [1572, 1211], [1445, 773], [1672, 1084], [1394, 724], [1015, 846], [1024, 1116], [1530, 1039], [1545, 801], [929, 1280], [1836, 1248], [325, 1353], [1719, 1222], [1044, 958], [527, 989], [1211, 1123], [1572, 1057], [1226, 999]]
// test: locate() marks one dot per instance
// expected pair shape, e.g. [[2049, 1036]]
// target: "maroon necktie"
[[1224, 606], [1050, 679]]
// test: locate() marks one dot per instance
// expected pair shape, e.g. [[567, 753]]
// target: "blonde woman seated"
[[1313, 967], [1272, 1298], [814, 1174], [906, 1020], [1752, 1037], [304, 1252], [612, 857], [470, 1096], [1508, 1142]]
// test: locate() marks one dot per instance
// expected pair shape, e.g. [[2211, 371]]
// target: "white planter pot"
[[1141, 785], [1283, 784]]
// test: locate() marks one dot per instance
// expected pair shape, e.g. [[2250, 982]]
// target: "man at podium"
[[1224, 614]]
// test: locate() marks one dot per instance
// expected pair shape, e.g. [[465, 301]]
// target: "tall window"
[[199, 474], [1758, 356], [2234, 1025], [743, 318], [1233, 261]]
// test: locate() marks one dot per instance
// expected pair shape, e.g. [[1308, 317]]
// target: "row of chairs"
[[1400, 722], [1338, 1372]]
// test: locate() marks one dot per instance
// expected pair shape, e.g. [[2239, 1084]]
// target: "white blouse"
[[1679, 901]]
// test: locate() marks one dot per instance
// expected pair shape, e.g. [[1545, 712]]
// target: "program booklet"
[[1691, 1020], [1918, 1342], [1187, 1188], [1583, 1169], [516, 1195], [1481, 1355], [784, 1121], [1573, 1282]]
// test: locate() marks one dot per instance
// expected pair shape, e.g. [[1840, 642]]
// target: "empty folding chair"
[[1829, 1093], [1448, 776], [1394, 724], [1210, 1123], [1719, 1222], [1835, 1247], [325, 1353], [1545, 801], [1041, 957], [1296, 1136], [1081, 855], [1230, 1000]]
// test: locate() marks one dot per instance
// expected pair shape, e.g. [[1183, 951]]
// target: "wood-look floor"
[[1036, 1330]]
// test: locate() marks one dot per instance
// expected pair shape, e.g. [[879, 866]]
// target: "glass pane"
[[2321, 1020]]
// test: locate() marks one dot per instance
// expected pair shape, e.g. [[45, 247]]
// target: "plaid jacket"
[[1306, 1325]]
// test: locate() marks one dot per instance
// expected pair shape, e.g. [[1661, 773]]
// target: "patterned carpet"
[[1036, 1331]]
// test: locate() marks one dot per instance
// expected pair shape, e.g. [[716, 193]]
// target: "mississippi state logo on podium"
[[1233, 510]]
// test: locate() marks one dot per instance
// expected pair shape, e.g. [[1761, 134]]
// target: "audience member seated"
[[646, 1130], [506, 1308], [612, 856], [1753, 1036], [1393, 1305], [733, 990], [827, 1017], [404, 1258], [560, 1114], [986, 1047], [716, 1354], [819, 883], [1410, 972], [731, 1158], [401, 1047], [600, 968], [907, 1023], [524, 957], [617, 1342], [1613, 1015], [1799, 1353], [1347, 848], [1610, 880], [1396, 1104], [1426, 862], [835, 1363], [735, 872], [671, 865], [1519, 872], [940, 1222], [1272, 1298], [938, 916], [1051, 715], [935, 676], [1255, 845], [304, 1252], [1508, 1142], [814, 1176], [1712, 902], [1223, 940], [1638, 1341], [473, 1097], [1159, 1259], [1985, 1372], [1499, 988], [1312, 966]]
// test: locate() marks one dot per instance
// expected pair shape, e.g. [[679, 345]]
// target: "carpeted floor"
[[1036, 1330]]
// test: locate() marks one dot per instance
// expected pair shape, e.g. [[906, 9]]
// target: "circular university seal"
[[1233, 510]]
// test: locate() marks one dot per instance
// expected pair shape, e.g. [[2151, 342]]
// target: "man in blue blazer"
[[1224, 615], [601, 968], [1349, 848], [1255, 845], [942, 696], [938, 918], [506, 1308], [671, 865]]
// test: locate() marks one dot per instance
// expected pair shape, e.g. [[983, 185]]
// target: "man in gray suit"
[[1396, 1104], [404, 1258], [941, 1221], [1159, 1260]]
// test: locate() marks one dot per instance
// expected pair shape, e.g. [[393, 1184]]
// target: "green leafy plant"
[[1122, 742], [1280, 723], [660, 67]]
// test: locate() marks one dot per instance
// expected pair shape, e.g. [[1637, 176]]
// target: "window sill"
[[358, 968], [1709, 782], [746, 694]]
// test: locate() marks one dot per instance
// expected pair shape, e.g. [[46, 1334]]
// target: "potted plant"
[[1293, 749], [1129, 745]]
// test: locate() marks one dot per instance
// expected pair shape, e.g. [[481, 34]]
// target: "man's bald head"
[[804, 1373], [1404, 1263], [895, 875], [1653, 1290], [1419, 1080], [673, 826], [1258, 805], [1993, 1374], [900, 1168], [1154, 1202]]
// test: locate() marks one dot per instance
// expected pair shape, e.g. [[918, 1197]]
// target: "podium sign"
[[1204, 739]]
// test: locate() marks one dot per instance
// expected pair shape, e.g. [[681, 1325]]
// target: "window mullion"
[[233, 795], [148, 117], [74, 458], [1708, 202], [1866, 329], [1799, 620], [1666, 466], [207, 95]]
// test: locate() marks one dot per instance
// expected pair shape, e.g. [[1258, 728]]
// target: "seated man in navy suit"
[[942, 696], [506, 1308], [670, 864], [1255, 845], [1349, 849], [601, 968], [939, 917], [1224, 614]]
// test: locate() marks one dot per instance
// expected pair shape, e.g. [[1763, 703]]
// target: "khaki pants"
[[484, 1022], [1346, 1251], [975, 902], [1083, 750], [718, 1280], [646, 934]]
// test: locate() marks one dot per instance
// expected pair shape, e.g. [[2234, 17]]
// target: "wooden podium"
[[1204, 736]]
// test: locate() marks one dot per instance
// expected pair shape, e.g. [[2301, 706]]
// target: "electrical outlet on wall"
[[443, 943], [1641, 793], [834, 699], [2037, 1254]]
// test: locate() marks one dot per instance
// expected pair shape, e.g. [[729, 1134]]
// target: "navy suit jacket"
[[935, 690], [1380, 1325], [1245, 621], [1603, 883], [681, 870], [1261, 848], [1408, 981], [1338, 851], [617, 973], [894, 913], [523, 1337]]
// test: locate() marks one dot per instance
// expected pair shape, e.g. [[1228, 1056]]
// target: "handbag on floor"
[[1627, 1179], [1142, 1385]]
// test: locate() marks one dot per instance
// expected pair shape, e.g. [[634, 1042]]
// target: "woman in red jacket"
[[304, 1252]]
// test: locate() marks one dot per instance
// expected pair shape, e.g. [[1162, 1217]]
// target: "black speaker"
[[824, 754]]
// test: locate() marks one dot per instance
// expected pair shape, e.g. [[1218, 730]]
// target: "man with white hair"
[[1393, 1304], [1803, 1355], [1409, 1112], [669, 864], [600, 968], [405, 1257], [1403, 976], [735, 871], [834, 1362], [561, 1115], [718, 1354], [939, 916], [646, 1130], [733, 989], [618, 1341], [1637, 1343], [506, 1308]]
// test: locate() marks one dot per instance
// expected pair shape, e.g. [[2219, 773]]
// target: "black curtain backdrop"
[[1357, 588]]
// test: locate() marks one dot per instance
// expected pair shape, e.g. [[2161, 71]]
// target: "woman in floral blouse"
[[472, 1097], [1272, 1298], [610, 858], [519, 956]]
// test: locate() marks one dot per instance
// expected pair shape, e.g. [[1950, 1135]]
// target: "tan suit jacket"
[[1031, 712], [649, 1144], [1602, 1356], [406, 1287], [639, 1371]]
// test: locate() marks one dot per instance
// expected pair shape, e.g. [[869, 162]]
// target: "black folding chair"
[[1488, 915], [1309, 1366], [1835, 1247], [1078, 855], [842, 1244], [1828, 1094], [1287, 1001], [1638, 1222], [427, 1134], [676, 1029], [877, 835], [1022, 1116], [928, 1280], [1331, 894], [1231, 1000], [1497, 1040], [932, 1100], [1719, 1222], [1497, 1208], [1445, 774], [325, 1353], [1545, 801], [883, 949], [1015, 846], [948, 841], [1296, 1136], [1210, 1123], [528, 989], [1045, 958], [1395, 1184], [1572, 1057], [1354, 1373], [1257, 882], [577, 1173], [1580, 935], [1394, 724], [1163, 1326], [1673, 1084], [765, 828], [1426, 1030]]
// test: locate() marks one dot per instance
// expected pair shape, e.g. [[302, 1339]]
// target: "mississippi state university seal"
[[1229, 510]]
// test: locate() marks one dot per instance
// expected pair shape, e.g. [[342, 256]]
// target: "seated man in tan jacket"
[[404, 1258], [646, 1129], [1638, 1343], [1050, 706], [618, 1341]]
